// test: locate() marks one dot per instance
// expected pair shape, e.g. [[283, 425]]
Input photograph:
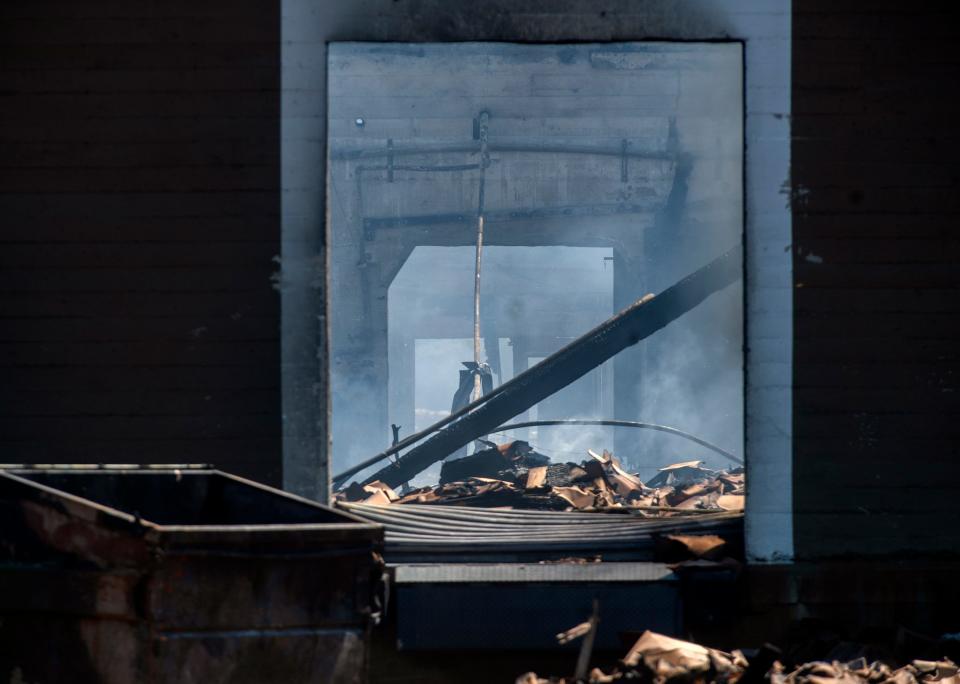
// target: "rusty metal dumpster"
[[179, 575]]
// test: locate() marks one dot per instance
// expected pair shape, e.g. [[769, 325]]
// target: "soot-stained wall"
[[139, 204], [763, 26], [877, 319]]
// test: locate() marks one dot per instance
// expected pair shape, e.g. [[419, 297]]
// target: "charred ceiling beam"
[[393, 151], [578, 358], [373, 224]]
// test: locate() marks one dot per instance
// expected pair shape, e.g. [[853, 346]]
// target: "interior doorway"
[[534, 300]]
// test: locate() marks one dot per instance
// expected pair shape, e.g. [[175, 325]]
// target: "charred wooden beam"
[[473, 147], [644, 205], [578, 358]]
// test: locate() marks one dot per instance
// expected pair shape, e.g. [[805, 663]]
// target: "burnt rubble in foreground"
[[658, 659], [513, 475]]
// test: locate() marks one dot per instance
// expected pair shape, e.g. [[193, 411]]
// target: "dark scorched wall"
[[139, 207], [877, 318]]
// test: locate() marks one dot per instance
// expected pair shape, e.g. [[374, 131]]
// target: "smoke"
[[692, 370], [617, 227], [694, 382], [534, 301]]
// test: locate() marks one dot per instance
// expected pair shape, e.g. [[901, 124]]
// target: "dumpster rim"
[[353, 522]]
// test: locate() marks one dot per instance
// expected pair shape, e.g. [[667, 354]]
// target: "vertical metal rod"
[[624, 161], [484, 159], [586, 647], [389, 160], [476, 310]]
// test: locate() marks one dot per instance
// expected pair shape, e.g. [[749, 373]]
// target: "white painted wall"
[[764, 25], [765, 28]]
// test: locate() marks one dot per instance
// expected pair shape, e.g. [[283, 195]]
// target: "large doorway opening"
[[625, 156]]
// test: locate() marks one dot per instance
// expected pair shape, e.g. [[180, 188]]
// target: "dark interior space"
[[182, 497]]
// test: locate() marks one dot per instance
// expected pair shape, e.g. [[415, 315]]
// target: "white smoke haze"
[[608, 231], [695, 384]]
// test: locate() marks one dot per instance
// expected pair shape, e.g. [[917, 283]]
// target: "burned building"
[[338, 249]]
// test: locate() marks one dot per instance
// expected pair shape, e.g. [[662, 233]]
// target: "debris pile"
[[513, 475], [661, 659], [859, 670]]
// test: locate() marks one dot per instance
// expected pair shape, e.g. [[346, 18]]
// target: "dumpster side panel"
[[43, 648], [89, 593], [82, 593], [277, 591], [42, 524], [305, 656], [213, 620]]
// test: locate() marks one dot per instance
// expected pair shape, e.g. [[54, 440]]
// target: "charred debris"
[[658, 659], [512, 475]]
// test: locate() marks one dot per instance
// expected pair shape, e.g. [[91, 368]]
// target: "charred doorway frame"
[[764, 27]]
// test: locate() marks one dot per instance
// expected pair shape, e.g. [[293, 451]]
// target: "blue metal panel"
[[511, 615]]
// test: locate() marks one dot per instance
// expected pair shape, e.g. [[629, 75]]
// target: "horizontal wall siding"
[[139, 198], [139, 204], [877, 263]]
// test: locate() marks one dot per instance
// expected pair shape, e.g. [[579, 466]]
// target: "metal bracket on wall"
[[624, 145], [389, 160]]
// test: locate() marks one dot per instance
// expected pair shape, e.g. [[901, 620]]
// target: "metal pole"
[[477, 389], [484, 161], [586, 647], [622, 423]]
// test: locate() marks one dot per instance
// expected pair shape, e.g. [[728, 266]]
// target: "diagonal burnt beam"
[[578, 358]]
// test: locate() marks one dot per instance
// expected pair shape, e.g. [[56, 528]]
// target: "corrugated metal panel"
[[425, 533]]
